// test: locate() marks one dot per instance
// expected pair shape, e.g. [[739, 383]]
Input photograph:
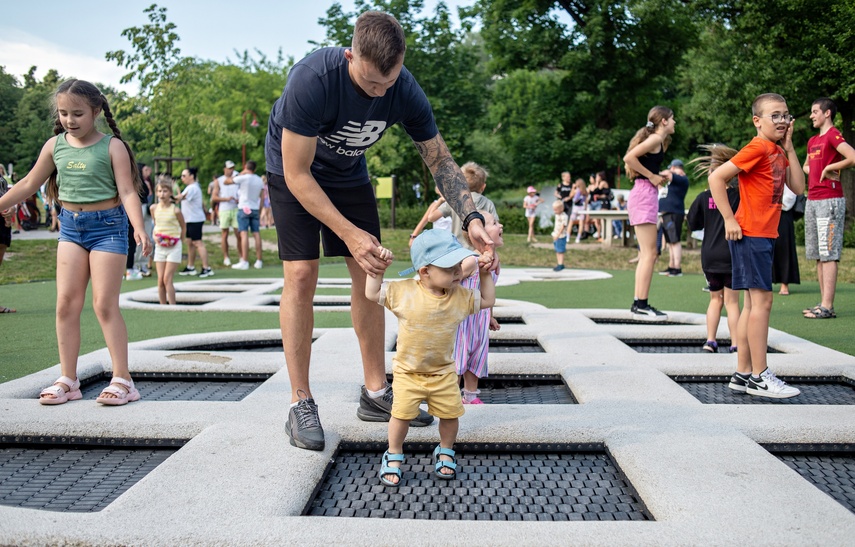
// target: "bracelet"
[[413, 236], [472, 216]]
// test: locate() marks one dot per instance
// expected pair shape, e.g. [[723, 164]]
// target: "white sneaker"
[[770, 386], [258, 265], [133, 275], [242, 265], [227, 262]]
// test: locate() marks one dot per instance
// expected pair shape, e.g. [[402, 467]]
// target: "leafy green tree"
[[10, 95], [34, 120]]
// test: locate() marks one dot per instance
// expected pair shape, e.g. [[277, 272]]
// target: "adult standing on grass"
[[825, 211], [224, 198], [672, 206], [643, 160], [194, 216], [338, 102], [95, 178], [250, 187], [5, 229]]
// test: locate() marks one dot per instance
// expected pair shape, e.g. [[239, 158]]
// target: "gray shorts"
[[824, 228]]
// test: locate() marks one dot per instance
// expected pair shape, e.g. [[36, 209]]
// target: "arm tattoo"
[[447, 175]]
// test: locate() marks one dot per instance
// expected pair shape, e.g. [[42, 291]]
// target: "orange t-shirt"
[[762, 177]]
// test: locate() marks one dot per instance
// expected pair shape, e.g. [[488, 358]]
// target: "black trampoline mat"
[[619, 321], [523, 389], [814, 391], [679, 345], [76, 477], [183, 387], [832, 470], [555, 483]]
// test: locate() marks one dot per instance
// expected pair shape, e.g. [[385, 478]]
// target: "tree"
[[10, 95], [34, 119]]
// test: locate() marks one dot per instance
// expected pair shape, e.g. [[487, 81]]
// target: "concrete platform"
[[698, 468]]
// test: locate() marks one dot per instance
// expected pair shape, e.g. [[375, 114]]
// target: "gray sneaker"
[[303, 425], [380, 409]]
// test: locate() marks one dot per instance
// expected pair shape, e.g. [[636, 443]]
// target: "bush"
[[510, 214]]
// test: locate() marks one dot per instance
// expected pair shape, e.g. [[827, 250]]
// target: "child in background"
[[617, 225], [530, 203], [439, 223], [476, 180], [560, 233], [429, 310], [95, 178], [715, 254], [472, 344], [169, 230], [577, 211], [763, 167]]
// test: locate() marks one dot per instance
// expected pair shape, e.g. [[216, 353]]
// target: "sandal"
[[440, 464], [60, 395], [386, 469], [125, 394], [4, 309], [821, 312]]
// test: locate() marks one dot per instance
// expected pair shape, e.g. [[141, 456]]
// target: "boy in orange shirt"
[[763, 166]]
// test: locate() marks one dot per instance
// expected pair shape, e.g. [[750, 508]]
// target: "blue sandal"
[[439, 464], [386, 469]]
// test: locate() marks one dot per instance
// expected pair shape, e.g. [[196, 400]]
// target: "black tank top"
[[652, 162]]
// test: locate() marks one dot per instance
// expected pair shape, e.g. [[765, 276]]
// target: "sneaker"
[[258, 265], [145, 272], [706, 289], [303, 425], [676, 272], [710, 346], [475, 401], [732, 349], [647, 312], [666, 271], [133, 275], [739, 382], [380, 409], [242, 265], [558, 268], [227, 262], [188, 270], [769, 385], [206, 272]]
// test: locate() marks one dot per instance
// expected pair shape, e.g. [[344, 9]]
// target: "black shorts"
[[5, 233], [194, 231], [718, 281], [300, 234], [672, 227]]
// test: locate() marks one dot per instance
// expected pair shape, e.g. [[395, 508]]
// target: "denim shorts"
[[248, 222], [560, 245], [105, 231]]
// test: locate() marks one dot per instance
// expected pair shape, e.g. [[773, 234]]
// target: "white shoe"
[[133, 275], [770, 386], [258, 265], [242, 265], [227, 262]]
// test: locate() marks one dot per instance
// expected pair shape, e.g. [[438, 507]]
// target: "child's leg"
[[397, 433], [758, 328], [731, 304], [743, 358], [203, 252], [161, 282], [646, 234], [470, 381], [531, 228], [714, 313], [168, 277], [447, 436], [72, 276], [559, 258], [106, 284], [675, 255]]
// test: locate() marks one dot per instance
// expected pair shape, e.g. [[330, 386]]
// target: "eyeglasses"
[[779, 118]]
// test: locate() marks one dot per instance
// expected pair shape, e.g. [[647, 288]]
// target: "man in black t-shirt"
[[336, 104]]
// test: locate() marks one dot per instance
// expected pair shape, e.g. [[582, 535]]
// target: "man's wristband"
[[413, 236], [472, 216]]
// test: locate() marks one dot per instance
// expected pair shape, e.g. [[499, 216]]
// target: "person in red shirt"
[[825, 211], [763, 167]]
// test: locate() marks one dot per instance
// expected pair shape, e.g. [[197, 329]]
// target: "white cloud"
[[19, 51]]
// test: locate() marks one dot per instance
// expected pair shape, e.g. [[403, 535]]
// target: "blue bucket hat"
[[437, 247]]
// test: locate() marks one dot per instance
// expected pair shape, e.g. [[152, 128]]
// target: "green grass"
[[29, 340]]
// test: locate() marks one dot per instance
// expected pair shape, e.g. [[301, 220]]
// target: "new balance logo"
[[355, 136]]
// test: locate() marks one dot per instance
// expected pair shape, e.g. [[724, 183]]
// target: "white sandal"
[[59, 395], [123, 395]]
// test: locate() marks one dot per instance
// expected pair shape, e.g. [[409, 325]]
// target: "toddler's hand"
[[494, 325], [385, 254], [485, 260]]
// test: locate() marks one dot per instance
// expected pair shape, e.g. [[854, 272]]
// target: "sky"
[[65, 36]]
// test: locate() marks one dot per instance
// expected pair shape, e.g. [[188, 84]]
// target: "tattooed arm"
[[452, 185]]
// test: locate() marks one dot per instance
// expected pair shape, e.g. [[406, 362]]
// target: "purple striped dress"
[[473, 335]]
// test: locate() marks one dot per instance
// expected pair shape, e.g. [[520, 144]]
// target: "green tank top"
[[84, 175]]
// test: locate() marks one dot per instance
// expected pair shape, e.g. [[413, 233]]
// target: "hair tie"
[[649, 125]]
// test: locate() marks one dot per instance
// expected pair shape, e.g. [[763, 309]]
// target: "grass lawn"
[[29, 338]]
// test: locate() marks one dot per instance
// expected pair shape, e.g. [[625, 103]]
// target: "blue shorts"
[[105, 231], [248, 222], [560, 244], [752, 263]]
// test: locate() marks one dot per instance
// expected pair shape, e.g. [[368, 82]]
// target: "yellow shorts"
[[441, 392]]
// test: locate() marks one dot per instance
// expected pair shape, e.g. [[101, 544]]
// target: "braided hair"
[[96, 100]]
